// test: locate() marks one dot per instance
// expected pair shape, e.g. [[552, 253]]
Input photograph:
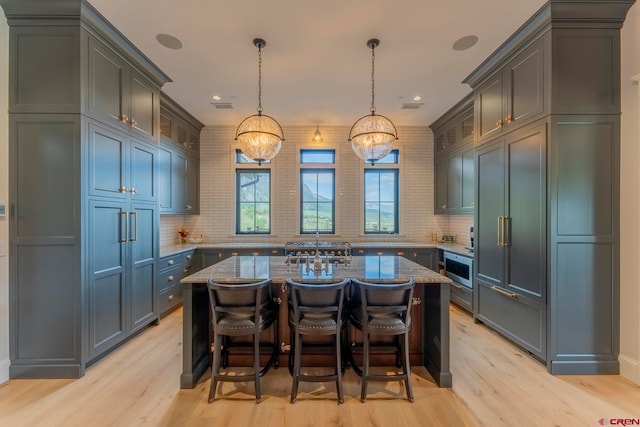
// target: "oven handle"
[[456, 285]]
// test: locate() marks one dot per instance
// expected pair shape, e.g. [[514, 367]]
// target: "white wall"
[[630, 199], [217, 192], [4, 198]]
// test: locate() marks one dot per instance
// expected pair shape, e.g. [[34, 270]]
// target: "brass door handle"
[[133, 122], [509, 118], [123, 236], [134, 222], [503, 292], [124, 118]]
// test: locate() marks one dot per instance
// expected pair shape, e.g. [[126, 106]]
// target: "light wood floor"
[[494, 384]]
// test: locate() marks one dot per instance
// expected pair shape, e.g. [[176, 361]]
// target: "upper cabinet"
[[179, 163], [514, 95], [454, 159], [120, 95]]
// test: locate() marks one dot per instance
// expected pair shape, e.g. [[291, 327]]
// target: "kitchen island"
[[430, 335]]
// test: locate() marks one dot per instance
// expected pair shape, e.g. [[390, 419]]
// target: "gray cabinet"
[[179, 166], [454, 159], [83, 250], [510, 261], [547, 232], [514, 95], [120, 95], [172, 268]]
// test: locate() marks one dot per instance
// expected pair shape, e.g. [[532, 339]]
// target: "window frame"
[[239, 203], [304, 171], [396, 193]]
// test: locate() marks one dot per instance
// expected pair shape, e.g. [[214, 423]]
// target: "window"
[[380, 201], [253, 201], [391, 158], [241, 158], [317, 199], [318, 156]]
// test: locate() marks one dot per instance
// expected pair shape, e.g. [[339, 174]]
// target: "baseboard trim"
[[584, 367], [629, 368], [4, 370]]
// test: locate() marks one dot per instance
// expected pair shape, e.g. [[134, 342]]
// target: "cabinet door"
[[145, 104], [488, 108], [108, 155], [165, 174], [524, 86], [441, 173], [143, 171], [193, 187], [526, 210], [142, 241], [108, 97], [489, 256], [107, 274], [454, 183], [467, 180], [180, 169]]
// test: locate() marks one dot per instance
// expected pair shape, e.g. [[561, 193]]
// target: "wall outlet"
[[3, 210]]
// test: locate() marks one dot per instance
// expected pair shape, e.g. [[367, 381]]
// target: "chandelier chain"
[[373, 68], [259, 79]]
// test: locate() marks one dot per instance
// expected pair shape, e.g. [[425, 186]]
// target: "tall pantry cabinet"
[[547, 119], [84, 127]]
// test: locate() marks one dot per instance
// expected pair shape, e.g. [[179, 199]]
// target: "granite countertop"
[[178, 248], [370, 268]]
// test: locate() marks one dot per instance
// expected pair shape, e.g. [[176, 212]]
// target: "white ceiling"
[[316, 67]]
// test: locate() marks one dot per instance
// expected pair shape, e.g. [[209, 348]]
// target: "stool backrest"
[[238, 299], [383, 298], [317, 297]]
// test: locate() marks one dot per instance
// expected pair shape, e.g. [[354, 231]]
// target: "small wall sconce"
[[317, 137]]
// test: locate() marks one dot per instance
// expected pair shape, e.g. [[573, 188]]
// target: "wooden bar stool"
[[316, 309], [382, 308], [241, 309]]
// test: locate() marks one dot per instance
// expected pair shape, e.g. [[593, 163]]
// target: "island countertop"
[[369, 268]]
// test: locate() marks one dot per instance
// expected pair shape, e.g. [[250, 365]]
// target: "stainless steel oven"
[[459, 269]]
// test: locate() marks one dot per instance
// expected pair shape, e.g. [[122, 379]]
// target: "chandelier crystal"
[[259, 136], [372, 136]]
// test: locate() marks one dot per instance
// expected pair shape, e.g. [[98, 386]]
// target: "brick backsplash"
[[217, 192]]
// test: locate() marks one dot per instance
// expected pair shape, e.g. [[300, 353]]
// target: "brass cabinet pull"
[[188, 257], [123, 237], [234, 253], [134, 222], [500, 231], [284, 288], [444, 207], [456, 285], [133, 122], [499, 124], [509, 118], [416, 301], [170, 298], [171, 262], [506, 233], [285, 347], [124, 118], [170, 278], [133, 190], [122, 189], [503, 292]]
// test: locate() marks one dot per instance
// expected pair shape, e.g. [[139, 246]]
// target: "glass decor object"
[[372, 136], [260, 136]]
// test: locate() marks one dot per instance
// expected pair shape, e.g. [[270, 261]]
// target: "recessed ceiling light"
[[216, 97], [169, 41], [465, 42], [417, 98]]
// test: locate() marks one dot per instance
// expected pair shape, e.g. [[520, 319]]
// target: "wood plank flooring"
[[494, 384]]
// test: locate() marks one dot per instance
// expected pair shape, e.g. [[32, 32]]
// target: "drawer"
[[462, 296], [521, 320], [169, 261], [169, 298], [169, 277]]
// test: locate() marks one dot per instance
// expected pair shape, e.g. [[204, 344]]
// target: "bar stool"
[[315, 309], [241, 309], [382, 308]]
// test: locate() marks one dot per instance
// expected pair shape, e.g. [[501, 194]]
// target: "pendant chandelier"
[[372, 136], [259, 136]]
